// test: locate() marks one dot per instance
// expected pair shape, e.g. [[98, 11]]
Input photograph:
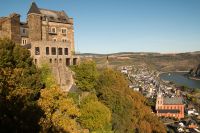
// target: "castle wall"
[[40, 55], [67, 37], [15, 28], [10, 28], [5, 31]]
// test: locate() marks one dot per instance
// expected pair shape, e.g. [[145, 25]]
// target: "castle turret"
[[35, 23]]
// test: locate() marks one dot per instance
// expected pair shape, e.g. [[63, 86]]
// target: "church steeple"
[[34, 9]]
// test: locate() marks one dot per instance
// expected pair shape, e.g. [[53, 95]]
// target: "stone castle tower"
[[34, 19]]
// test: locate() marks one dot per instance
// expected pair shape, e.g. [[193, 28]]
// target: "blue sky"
[[107, 26]]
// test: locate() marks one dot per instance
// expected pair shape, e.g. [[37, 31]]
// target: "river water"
[[179, 79]]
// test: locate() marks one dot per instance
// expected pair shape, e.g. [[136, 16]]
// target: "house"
[[192, 124]]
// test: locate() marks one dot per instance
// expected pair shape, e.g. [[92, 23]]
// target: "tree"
[[86, 75], [19, 89], [94, 114], [129, 110], [47, 77], [60, 112]]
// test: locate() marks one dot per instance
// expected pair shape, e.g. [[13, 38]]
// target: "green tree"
[[86, 75], [94, 115], [19, 89], [47, 77]]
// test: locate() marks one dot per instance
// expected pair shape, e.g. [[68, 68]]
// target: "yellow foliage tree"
[[60, 112]]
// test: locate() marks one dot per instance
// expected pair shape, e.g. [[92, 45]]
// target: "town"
[[168, 101]]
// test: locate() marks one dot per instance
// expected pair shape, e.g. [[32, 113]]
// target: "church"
[[170, 106]]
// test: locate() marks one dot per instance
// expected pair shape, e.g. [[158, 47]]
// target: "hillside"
[[161, 62]]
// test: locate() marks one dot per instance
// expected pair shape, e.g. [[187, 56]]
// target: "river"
[[179, 79]]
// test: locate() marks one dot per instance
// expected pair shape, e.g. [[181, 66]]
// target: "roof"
[[50, 15], [168, 111], [34, 9], [55, 16], [172, 100]]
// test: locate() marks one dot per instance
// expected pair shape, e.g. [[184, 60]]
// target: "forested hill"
[[31, 101]]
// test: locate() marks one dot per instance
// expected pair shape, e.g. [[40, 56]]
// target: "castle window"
[[64, 30], [67, 61], [55, 61], [59, 51], [53, 51], [47, 50], [24, 41], [66, 51], [74, 61], [53, 30], [35, 61], [24, 31], [37, 51], [64, 40], [50, 60]]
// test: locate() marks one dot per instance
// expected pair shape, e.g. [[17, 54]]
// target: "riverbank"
[[194, 78], [173, 72]]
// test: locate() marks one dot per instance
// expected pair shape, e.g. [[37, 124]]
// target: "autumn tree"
[[60, 112], [129, 110]]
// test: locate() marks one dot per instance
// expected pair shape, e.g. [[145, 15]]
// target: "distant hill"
[[159, 61], [136, 53]]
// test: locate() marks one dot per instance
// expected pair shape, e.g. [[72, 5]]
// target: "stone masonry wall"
[[15, 28], [59, 36], [35, 27], [5, 31]]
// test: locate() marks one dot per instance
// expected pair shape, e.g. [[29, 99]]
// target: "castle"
[[169, 106], [48, 34]]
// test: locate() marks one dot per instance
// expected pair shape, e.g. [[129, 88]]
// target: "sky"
[[110, 26]]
